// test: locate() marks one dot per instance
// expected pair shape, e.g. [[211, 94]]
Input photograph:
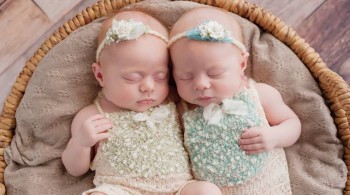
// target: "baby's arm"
[[284, 129], [88, 128]]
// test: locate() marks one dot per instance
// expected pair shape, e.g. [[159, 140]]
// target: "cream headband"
[[209, 31], [123, 30]]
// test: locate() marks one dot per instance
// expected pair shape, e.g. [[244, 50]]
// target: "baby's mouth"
[[145, 101], [205, 98]]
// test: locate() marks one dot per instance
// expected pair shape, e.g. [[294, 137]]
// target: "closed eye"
[[186, 78], [215, 73], [132, 77]]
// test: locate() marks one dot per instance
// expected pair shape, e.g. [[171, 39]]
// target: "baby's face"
[[135, 73], [207, 72]]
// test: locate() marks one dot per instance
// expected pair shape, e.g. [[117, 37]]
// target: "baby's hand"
[[93, 130], [257, 140]]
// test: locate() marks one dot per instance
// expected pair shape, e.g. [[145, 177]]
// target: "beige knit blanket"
[[63, 83]]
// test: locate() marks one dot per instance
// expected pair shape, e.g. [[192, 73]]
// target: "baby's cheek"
[[165, 91], [184, 93], [127, 93], [227, 90]]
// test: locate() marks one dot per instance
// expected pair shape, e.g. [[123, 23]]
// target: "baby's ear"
[[244, 63], [97, 70]]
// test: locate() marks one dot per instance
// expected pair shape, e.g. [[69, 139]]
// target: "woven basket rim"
[[334, 88]]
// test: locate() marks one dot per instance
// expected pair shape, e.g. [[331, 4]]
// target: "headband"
[[209, 31], [123, 30]]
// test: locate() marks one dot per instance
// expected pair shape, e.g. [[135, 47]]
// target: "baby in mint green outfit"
[[215, 151], [235, 128]]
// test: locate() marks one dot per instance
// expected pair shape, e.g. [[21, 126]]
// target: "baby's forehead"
[[136, 50], [138, 16], [135, 15]]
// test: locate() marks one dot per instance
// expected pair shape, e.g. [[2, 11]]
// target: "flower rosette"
[[210, 31], [124, 30]]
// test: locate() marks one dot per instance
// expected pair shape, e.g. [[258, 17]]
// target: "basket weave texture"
[[334, 88]]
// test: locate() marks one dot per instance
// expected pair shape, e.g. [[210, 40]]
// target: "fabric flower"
[[122, 30], [213, 113], [156, 116], [212, 30]]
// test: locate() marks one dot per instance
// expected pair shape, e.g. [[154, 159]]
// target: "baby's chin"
[[205, 103], [144, 106]]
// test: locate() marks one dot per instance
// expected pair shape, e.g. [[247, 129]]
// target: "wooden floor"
[[25, 24]]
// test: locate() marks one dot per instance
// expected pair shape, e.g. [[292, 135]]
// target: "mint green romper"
[[216, 156]]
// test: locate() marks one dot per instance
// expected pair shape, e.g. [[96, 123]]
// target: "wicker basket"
[[334, 88]]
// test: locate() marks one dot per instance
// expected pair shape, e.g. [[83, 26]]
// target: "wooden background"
[[25, 24]]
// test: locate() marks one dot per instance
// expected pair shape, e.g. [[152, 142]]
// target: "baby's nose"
[[201, 83], [147, 85]]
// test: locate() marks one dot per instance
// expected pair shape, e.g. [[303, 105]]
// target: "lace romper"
[[143, 155], [215, 153]]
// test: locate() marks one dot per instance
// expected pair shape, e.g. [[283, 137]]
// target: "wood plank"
[[56, 9], [2, 1], [328, 31], [7, 81], [291, 12], [344, 71], [15, 35], [8, 76]]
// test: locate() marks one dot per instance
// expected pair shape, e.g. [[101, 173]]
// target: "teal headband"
[[209, 31]]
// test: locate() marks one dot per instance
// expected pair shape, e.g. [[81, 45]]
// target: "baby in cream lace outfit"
[[235, 128], [131, 131]]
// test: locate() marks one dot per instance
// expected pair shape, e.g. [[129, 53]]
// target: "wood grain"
[[292, 12], [16, 34], [9, 74], [56, 9], [344, 70], [2, 1], [328, 31]]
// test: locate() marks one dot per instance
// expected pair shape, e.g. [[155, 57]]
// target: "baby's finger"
[[252, 147], [249, 134], [245, 141], [100, 122], [96, 117], [103, 128], [102, 136]]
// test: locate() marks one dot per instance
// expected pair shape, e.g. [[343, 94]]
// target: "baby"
[[235, 128], [131, 131]]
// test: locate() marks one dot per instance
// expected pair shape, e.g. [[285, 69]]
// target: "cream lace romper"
[[215, 153], [144, 154]]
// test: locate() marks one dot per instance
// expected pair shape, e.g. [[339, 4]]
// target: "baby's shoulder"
[[88, 110], [265, 89], [267, 93], [85, 113]]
